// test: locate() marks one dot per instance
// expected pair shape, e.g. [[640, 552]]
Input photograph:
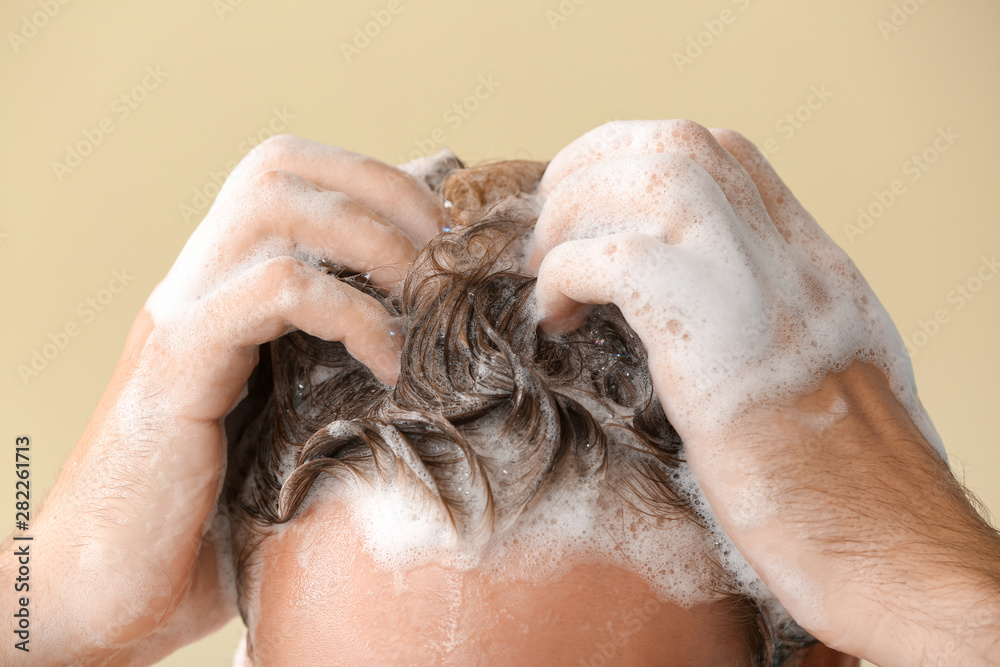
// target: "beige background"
[[227, 65]]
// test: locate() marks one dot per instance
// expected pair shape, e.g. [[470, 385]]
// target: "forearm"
[[57, 630], [92, 592], [208, 605], [925, 600], [42, 629], [17, 648], [908, 571], [958, 625], [941, 605]]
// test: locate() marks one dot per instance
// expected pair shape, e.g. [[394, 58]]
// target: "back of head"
[[501, 453]]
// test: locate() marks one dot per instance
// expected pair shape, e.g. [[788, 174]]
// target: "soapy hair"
[[475, 374]]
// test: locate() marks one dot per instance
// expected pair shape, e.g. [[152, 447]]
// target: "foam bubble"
[[765, 320], [743, 315], [580, 521]]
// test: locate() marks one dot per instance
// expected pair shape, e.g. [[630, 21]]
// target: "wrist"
[[52, 633], [853, 500], [926, 571], [950, 619]]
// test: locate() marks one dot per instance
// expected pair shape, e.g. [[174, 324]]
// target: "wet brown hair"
[[475, 375]]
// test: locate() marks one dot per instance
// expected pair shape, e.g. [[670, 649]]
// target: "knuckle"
[[395, 186], [279, 274], [268, 152], [689, 130], [342, 205], [609, 136], [614, 127], [254, 195], [272, 185], [731, 136], [393, 179], [734, 141], [669, 163], [557, 259], [279, 144], [632, 246], [273, 179]]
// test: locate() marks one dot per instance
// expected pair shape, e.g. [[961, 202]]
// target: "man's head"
[[515, 497]]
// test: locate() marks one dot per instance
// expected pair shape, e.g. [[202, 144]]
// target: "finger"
[[624, 269], [392, 194], [683, 137], [685, 306], [794, 222], [292, 214], [661, 195], [282, 294]]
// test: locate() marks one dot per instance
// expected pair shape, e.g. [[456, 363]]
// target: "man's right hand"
[[124, 570]]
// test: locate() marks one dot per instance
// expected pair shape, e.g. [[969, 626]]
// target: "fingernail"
[[552, 326], [397, 331], [386, 368]]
